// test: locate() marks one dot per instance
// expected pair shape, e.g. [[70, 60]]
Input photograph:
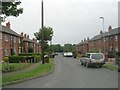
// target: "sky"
[[71, 20]]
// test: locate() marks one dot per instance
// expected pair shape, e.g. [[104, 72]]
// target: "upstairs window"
[[14, 39], [6, 38], [116, 38], [6, 52]]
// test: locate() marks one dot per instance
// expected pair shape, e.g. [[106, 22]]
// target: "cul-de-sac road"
[[69, 73]]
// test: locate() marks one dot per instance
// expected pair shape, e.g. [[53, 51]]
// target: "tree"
[[68, 48], [10, 9], [48, 34]]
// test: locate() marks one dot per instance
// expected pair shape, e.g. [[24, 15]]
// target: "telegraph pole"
[[42, 22]]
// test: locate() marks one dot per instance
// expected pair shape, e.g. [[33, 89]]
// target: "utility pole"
[[42, 22], [103, 33]]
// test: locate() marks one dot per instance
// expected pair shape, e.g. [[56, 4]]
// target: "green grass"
[[111, 66], [17, 66], [40, 70]]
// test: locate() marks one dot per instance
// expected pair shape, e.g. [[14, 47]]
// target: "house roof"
[[4, 29], [106, 34]]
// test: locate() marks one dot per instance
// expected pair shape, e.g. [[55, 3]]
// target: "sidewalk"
[[32, 67]]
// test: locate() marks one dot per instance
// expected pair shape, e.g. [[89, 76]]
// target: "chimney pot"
[[8, 25], [101, 32], [24, 35], [21, 33], [109, 28], [28, 36]]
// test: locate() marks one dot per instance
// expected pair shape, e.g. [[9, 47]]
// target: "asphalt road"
[[69, 73]]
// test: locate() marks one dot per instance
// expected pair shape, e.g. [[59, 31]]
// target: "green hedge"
[[17, 59], [38, 58], [29, 54]]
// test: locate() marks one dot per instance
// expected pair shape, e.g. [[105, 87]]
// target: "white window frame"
[[116, 38], [14, 39], [19, 41], [15, 51], [6, 38], [6, 52]]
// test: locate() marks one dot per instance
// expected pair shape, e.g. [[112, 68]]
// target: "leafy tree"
[[57, 48], [48, 34], [68, 48], [10, 8]]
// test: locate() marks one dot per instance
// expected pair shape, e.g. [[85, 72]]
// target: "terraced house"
[[14, 43], [104, 42]]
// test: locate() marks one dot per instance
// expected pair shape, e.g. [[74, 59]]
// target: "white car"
[[93, 59], [68, 54]]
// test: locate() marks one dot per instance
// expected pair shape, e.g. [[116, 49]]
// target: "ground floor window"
[[6, 52]]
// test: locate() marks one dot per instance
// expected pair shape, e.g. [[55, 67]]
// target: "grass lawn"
[[17, 66], [111, 66], [40, 70]]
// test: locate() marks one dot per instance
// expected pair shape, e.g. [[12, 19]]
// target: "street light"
[[103, 35], [42, 24], [103, 22]]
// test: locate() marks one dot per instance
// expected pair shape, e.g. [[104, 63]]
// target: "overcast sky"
[[71, 20]]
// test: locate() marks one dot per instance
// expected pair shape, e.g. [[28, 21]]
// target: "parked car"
[[93, 59], [68, 54]]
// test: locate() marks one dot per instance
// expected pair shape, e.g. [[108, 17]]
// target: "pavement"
[[68, 73]]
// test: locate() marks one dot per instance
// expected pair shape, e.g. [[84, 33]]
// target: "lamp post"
[[103, 22], [103, 35], [42, 24]]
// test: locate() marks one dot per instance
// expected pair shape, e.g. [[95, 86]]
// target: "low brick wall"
[[111, 60]]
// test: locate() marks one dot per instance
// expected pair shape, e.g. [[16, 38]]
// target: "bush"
[[29, 54], [6, 59], [38, 58], [16, 59]]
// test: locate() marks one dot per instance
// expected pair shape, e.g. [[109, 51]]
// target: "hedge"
[[29, 54], [17, 59]]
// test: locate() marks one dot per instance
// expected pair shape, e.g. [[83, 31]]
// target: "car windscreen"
[[97, 56]]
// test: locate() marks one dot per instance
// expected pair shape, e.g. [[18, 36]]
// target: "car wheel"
[[81, 63], [87, 65], [100, 66]]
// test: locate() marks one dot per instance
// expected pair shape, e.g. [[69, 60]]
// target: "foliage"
[[48, 34], [56, 48], [68, 48], [11, 8], [93, 51], [16, 59], [6, 59], [30, 50], [29, 54]]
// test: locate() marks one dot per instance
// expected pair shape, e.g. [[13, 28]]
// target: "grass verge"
[[111, 66], [39, 71], [17, 66]]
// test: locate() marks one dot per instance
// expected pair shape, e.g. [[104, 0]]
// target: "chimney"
[[109, 28], [28, 36], [8, 25], [101, 32], [87, 38], [84, 39], [25, 35], [21, 33], [33, 39]]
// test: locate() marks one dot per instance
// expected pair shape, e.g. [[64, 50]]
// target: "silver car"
[[93, 59]]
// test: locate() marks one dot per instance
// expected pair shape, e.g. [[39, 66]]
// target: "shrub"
[[16, 59], [38, 58], [6, 59]]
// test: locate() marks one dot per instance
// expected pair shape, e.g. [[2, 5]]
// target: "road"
[[69, 73]]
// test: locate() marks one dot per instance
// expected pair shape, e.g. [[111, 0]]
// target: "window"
[[11, 38], [19, 41], [116, 38], [6, 52], [14, 39], [14, 50], [19, 49], [104, 39], [6, 38], [0, 35]]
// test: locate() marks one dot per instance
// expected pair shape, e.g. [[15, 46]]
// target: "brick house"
[[10, 41], [104, 42], [13, 43]]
